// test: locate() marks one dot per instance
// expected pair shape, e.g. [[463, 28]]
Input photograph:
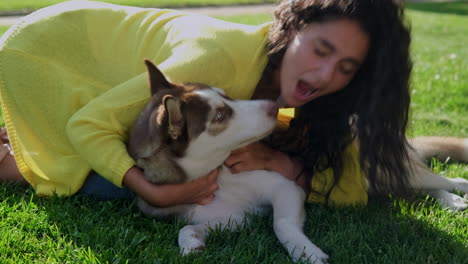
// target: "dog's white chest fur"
[[239, 193], [196, 167]]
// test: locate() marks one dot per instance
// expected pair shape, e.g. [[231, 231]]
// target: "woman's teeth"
[[305, 89], [307, 92]]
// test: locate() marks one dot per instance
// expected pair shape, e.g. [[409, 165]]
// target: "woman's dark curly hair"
[[373, 107]]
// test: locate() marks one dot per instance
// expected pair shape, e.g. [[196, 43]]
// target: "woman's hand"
[[255, 156], [199, 191], [258, 156]]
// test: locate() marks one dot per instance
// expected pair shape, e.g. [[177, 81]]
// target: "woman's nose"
[[326, 74]]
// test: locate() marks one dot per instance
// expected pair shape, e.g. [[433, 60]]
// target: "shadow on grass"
[[85, 230], [457, 8], [116, 232], [380, 233]]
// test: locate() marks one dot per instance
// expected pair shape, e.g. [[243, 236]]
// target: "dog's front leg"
[[192, 237], [288, 220]]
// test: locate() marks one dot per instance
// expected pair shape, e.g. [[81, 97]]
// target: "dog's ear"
[[156, 78], [174, 116]]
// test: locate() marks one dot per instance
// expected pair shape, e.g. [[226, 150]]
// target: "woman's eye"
[[346, 70], [320, 53]]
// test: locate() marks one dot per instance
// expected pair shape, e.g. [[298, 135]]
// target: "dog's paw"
[[194, 248], [310, 254], [461, 185], [190, 241], [449, 200], [191, 245]]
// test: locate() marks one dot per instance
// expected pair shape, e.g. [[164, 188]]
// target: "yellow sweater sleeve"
[[99, 130]]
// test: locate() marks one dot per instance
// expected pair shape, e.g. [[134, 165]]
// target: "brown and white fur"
[[187, 131]]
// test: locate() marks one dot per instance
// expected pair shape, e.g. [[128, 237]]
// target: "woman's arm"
[[199, 191], [99, 130]]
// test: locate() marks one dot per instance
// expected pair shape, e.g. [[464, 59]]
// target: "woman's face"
[[322, 58]]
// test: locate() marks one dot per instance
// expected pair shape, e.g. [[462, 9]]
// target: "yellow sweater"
[[351, 188], [72, 81]]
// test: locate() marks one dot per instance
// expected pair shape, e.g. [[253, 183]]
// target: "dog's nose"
[[272, 109]]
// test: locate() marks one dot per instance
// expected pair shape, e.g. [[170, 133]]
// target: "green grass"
[[27, 5], [3, 29], [81, 230], [440, 78]]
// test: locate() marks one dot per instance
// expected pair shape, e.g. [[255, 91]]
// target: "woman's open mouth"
[[304, 91]]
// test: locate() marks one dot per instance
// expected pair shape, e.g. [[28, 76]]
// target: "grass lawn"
[[81, 230], [18, 5], [3, 29]]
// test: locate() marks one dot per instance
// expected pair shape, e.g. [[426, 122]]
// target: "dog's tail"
[[443, 148]]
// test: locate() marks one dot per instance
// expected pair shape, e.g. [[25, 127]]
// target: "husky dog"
[[188, 130]]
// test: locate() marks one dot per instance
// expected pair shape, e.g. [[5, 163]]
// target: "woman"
[[73, 82], [370, 103]]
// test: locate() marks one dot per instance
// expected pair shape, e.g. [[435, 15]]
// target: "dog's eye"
[[219, 116], [222, 114]]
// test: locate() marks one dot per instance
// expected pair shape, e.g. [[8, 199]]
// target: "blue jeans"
[[102, 189]]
